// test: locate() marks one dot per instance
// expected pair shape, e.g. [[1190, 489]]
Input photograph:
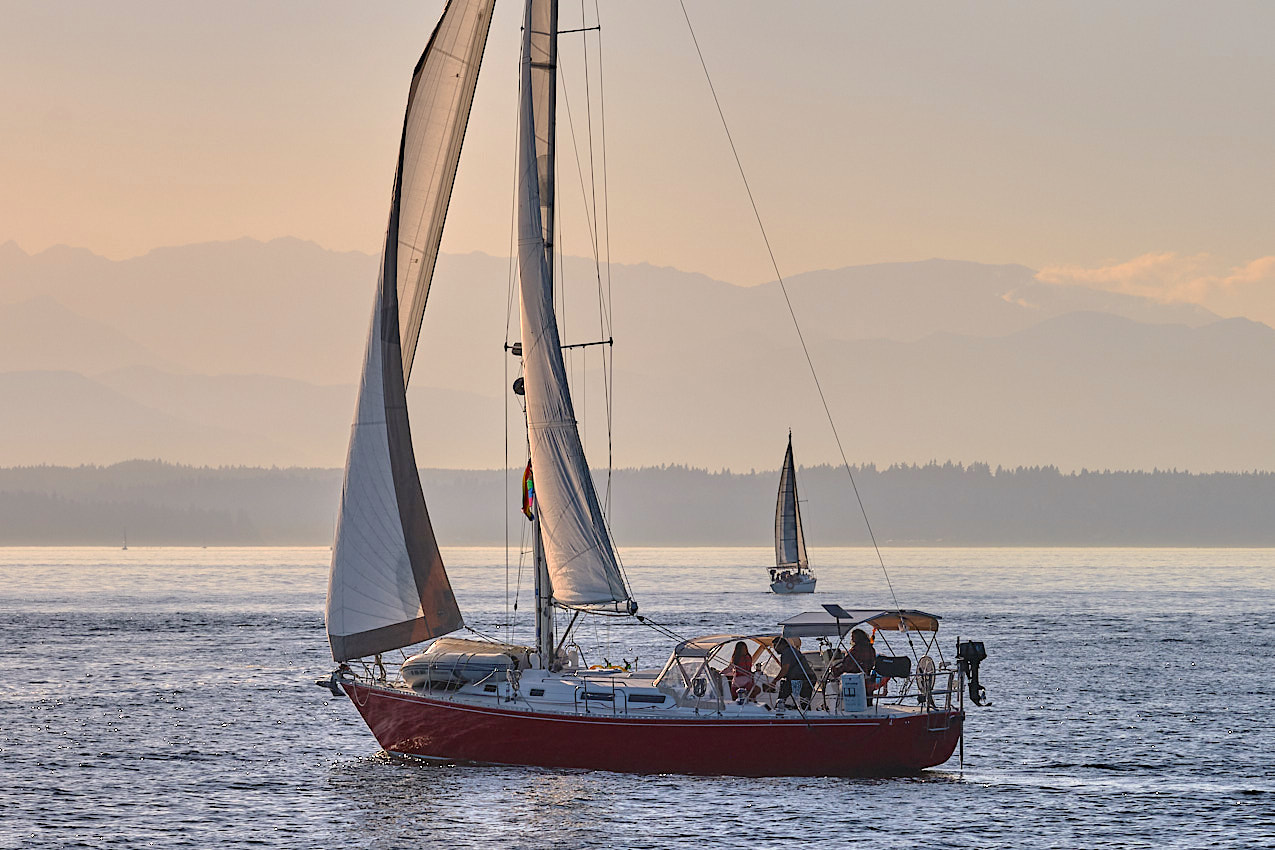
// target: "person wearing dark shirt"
[[794, 674], [860, 658]]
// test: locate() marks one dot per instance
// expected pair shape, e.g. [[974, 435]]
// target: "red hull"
[[825, 746]]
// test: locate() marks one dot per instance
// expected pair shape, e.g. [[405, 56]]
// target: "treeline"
[[948, 504]]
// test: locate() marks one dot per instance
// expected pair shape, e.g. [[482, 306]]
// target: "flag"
[[528, 493]]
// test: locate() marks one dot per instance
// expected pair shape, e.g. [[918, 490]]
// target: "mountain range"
[[247, 353]]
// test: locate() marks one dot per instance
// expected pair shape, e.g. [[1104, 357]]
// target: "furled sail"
[[790, 542], [387, 587], [578, 551]]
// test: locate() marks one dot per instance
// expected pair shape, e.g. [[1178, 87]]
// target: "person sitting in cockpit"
[[794, 674], [740, 670], [861, 657]]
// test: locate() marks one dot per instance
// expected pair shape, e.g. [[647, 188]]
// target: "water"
[[164, 697]]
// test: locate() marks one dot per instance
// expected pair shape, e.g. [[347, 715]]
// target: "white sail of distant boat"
[[792, 567]]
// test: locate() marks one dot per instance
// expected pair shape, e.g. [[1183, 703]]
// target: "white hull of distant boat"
[[802, 583]]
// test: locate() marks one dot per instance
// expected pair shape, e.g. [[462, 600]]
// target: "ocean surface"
[[165, 697]]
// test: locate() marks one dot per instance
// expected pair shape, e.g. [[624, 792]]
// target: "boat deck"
[[617, 693]]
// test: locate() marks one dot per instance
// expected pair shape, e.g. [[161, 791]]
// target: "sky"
[[1125, 146]]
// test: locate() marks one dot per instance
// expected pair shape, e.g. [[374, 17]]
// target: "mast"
[[542, 57], [544, 598]]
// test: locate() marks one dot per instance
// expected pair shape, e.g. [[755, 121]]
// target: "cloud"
[[1168, 277]]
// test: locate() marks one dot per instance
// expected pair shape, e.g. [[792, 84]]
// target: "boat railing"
[[603, 692], [601, 688], [932, 692]]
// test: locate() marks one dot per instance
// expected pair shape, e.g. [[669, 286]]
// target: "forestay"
[[790, 541], [580, 557], [387, 587]]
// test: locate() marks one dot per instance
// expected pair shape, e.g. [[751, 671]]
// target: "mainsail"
[[542, 50], [387, 587], [790, 542], [577, 546]]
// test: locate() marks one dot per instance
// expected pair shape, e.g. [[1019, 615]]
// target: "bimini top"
[[835, 621], [703, 646]]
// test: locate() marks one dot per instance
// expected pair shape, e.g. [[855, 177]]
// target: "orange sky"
[[1083, 138]]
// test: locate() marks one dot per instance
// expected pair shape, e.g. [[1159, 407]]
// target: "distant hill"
[[934, 504], [286, 308], [247, 353], [292, 309], [41, 334], [64, 417]]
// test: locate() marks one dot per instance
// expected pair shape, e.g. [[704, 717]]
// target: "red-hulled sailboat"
[[482, 701]]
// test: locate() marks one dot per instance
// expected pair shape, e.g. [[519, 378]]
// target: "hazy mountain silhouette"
[[285, 308], [247, 352], [909, 301], [41, 333], [64, 417], [290, 308]]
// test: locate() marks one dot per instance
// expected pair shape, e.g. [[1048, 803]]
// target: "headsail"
[[581, 559], [790, 541], [387, 587]]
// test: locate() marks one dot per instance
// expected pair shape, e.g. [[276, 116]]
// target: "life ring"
[[788, 584]]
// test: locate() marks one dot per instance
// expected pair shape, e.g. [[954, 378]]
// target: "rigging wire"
[[589, 193], [604, 305], [588, 118], [659, 627], [509, 309], [504, 360], [791, 312], [608, 355], [591, 223], [510, 300], [604, 301]]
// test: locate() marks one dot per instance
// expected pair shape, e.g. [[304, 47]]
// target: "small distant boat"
[[792, 568], [125, 546]]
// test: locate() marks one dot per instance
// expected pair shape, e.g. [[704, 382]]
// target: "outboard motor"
[[969, 654]]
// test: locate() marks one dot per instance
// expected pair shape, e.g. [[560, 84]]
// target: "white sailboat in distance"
[[791, 573]]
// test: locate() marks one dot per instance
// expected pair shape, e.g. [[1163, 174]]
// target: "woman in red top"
[[740, 671]]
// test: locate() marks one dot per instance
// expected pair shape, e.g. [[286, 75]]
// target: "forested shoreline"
[[936, 504]]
